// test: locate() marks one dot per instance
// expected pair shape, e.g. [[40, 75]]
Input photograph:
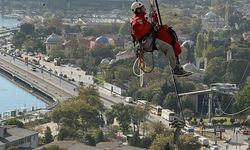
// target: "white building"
[[212, 22], [197, 74], [12, 136]]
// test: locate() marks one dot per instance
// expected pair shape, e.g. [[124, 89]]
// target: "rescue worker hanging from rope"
[[152, 36]]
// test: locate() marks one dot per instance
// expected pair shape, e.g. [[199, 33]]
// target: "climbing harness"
[[178, 123], [140, 62]]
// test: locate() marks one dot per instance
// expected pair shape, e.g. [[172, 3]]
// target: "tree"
[[214, 71], [123, 115], [200, 45], [27, 28], [188, 113], [135, 140], [243, 99], [18, 39], [232, 120], [14, 121], [138, 115], [90, 140], [146, 142], [12, 148], [90, 118], [110, 131], [234, 73], [187, 142], [66, 134], [170, 102], [160, 142], [48, 137], [29, 44], [52, 147], [100, 136], [101, 52]]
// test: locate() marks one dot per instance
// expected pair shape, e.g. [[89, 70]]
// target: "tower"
[[226, 13]]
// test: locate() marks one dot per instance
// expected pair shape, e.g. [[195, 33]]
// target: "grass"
[[205, 120]]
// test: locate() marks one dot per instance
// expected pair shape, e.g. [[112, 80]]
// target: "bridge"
[[215, 89]]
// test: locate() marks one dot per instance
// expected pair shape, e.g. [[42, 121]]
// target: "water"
[[13, 97], [9, 23]]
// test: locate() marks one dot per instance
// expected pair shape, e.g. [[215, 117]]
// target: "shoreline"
[[49, 101]]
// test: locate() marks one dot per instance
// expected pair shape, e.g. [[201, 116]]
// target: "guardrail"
[[15, 74]]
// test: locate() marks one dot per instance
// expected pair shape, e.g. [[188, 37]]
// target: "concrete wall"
[[113, 88]]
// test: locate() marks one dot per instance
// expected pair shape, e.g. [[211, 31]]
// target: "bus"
[[156, 110], [168, 115], [150, 107]]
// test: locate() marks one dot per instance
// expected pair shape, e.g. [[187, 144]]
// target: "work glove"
[[155, 26]]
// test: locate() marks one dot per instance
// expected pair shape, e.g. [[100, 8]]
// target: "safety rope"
[[178, 124], [140, 61]]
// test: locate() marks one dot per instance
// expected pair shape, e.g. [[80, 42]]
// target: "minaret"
[[229, 55], [226, 13]]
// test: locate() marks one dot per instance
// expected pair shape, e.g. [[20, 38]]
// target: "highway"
[[57, 87]]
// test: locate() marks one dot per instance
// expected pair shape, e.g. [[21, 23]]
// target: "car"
[[129, 99], [245, 132], [43, 66], [214, 147], [65, 76], [33, 69], [60, 74], [248, 137], [31, 54]]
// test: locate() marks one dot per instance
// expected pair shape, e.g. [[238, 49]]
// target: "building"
[[12, 136], [211, 21], [125, 55], [246, 36], [54, 41], [197, 74]]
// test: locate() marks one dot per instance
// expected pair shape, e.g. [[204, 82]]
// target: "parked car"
[[214, 147], [129, 99], [60, 74], [245, 132], [248, 137], [33, 69]]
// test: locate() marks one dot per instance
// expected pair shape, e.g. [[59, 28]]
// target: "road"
[[52, 83], [63, 89], [35, 81]]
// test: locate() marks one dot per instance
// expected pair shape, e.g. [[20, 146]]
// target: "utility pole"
[[210, 99]]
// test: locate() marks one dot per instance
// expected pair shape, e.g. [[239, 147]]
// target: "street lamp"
[[71, 72], [236, 139], [79, 78]]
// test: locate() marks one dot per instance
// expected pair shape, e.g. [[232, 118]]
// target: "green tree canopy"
[[14, 121], [27, 28], [48, 138], [243, 99]]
